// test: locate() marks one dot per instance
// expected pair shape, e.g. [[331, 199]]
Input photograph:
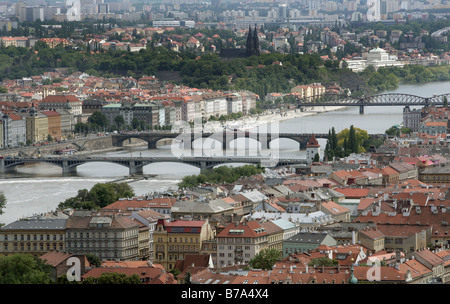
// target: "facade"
[[37, 126], [149, 113], [248, 101], [13, 131], [174, 240], [434, 127], [372, 238], [148, 220], [405, 238], [34, 236], [274, 235], [439, 175], [238, 243], [234, 103], [65, 102], [66, 123], [215, 104], [108, 237], [54, 124], [412, 118]]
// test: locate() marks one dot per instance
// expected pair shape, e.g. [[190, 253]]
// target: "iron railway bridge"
[[391, 99]]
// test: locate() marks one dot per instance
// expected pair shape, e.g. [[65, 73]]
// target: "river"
[[40, 188]]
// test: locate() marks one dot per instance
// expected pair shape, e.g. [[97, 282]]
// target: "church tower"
[[255, 42], [312, 148], [250, 42]]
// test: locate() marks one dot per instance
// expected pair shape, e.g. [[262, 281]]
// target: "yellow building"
[[435, 175], [54, 42], [173, 240], [309, 91], [33, 236], [54, 124], [37, 127]]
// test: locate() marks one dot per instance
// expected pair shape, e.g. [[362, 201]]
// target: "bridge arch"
[[108, 168], [22, 165]]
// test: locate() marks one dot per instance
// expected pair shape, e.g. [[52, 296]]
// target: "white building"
[[377, 58], [312, 148]]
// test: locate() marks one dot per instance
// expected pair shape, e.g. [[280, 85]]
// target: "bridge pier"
[[203, 167], [152, 145], [66, 169], [3, 168], [361, 109], [135, 169]]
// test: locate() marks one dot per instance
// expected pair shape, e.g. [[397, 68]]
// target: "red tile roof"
[[353, 192], [149, 275], [60, 98], [136, 204], [245, 229]]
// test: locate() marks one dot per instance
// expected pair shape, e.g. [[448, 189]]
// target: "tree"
[[119, 121], [351, 141], [93, 260], [445, 102], [135, 123], [316, 158], [99, 119], [265, 259], [23, 269], [323, 261], [113, 278], [2, 202], [100, 195], [331, 148], [392, 131], [187, 278]]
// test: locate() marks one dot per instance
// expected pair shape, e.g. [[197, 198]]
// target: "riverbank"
[[271, 116]]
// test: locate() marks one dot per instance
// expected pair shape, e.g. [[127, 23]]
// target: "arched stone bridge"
[[225, 138], [391, 99], [136, 164]]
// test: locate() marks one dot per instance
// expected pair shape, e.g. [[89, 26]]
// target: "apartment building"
[[34, 236], [54, 124], [14, 130], [239, 242], [174, 240], [70, 103], [110, 237], [36, 126]]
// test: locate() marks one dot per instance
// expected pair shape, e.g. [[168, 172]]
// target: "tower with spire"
[[312, 148], [252, 42], [255, 42]]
